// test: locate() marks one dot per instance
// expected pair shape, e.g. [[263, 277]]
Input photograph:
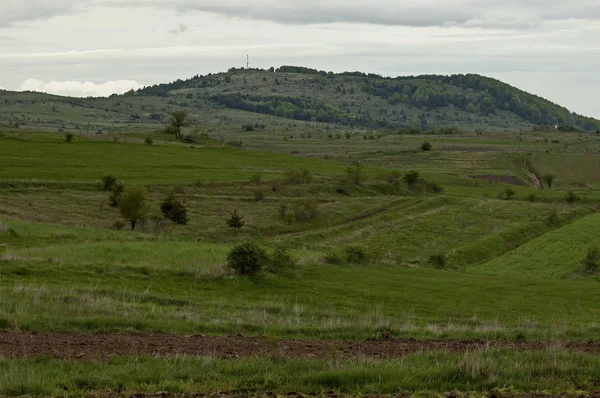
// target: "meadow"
[[466, 262]]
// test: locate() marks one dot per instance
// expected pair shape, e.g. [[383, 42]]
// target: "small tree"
[[591, 262], [508, 194], [571, 197], [235, 221], [438, 261], [108, 182], [69, 137], [247, 259], [133, 205], [178, 121], [354, 175], [116, 193], [549, 179], [174, 209], [411, 178], [426, 146]]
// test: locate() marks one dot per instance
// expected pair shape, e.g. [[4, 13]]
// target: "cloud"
[[31, 10], [78, 89], [470, 13]]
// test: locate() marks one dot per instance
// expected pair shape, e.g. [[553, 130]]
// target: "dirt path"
[[75, 345], [534, 180]]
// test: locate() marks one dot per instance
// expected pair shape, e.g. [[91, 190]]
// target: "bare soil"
[[100, 346], [511, 180]]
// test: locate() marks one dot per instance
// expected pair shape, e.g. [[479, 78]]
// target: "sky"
[[99, 47]]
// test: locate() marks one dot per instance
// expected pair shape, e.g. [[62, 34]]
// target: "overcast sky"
[[98, 47]]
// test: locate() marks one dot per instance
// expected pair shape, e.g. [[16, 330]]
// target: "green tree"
[[411, 178], [549, 179], [133, 204], [179, 119], [235, 221], [426, 146]]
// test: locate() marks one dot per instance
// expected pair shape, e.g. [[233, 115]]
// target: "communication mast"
[[247, 61]]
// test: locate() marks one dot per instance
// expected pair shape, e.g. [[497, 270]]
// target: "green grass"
[[571, 169], [88, 161], [506, 371], [556, 254]]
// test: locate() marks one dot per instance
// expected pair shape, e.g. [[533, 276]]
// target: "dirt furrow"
[[99, 346]]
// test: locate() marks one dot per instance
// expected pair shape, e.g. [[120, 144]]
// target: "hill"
[[272, 98]]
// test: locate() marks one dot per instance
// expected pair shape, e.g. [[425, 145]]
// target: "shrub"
[[174, 209], [235, 144], [531, 197], [333, 258], [306, 210], [355, 255], [411, 178], [108, 182], [149, 141], [432, 187], [571, 197], [259, 194], [116, 193], [549, 179], [133, 205], [247, 259], [393, 177], [298, 177], [354, 175], [118, 225], [281, 260], [552, 218], [69, 137], [256, 179], [438, 261], [426, 146], [591, 263], [507, 194], [235, 221]]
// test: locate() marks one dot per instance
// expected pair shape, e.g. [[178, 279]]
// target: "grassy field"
[[510, 267]]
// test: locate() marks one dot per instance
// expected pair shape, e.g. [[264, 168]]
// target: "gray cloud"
[[31, 10], [180, 30], [418, 13]]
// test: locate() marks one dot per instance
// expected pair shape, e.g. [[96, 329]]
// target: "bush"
[[411, 178], [355, 255], [69, 137], [116, 193], [426, 146], [149, 141], [591, 263], [333, 258], [174, 209], [235, 221], [552, 218], [354, 175], [432, 187], [247, 259], [393, 177], [235, 144], [259, 194], [281, 260], [507, 194], [108, 182], [438, 261], [571, 197], [298, 177], [118, 225], [531, 197], [256, 179], [306, 210]]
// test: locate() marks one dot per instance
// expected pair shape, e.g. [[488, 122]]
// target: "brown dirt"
[[100, 346], [511, 180]]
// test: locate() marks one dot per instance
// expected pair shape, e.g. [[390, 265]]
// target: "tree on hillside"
[[549, 179], [179, 119], [133, 205], [235, 221], [411, 178]]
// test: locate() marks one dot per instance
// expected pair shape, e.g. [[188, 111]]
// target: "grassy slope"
[[88, 161], [556, 254], [553, 371]]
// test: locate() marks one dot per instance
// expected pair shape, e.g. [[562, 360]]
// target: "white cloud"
[[78, 89]]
